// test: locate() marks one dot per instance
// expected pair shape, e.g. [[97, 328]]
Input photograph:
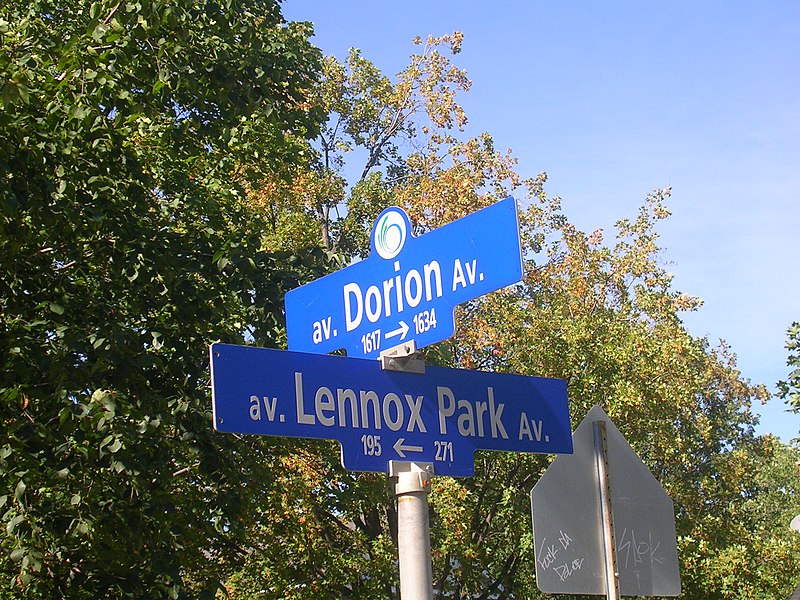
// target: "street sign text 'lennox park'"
[[377, 415], [409, 286]]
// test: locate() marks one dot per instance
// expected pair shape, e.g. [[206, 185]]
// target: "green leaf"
[[11, 526], [22, 92], [139, 192], [18, 554], [19, 492], [157, 343], [99, 32]]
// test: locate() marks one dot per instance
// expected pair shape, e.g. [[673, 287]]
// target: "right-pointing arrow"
[[401, 449], [401, 331]]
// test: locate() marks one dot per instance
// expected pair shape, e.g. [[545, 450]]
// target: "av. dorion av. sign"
[[409, 286]]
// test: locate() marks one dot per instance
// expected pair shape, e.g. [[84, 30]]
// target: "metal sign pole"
[[413, 531], [609, 544], [412, 485]]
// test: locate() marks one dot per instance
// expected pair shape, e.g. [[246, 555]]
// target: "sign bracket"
[[403, 358]]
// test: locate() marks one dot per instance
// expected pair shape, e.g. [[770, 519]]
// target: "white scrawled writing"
[[637, 552], [548, 556]]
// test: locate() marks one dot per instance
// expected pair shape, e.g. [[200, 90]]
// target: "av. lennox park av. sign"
[[377, 415], [409, 286]]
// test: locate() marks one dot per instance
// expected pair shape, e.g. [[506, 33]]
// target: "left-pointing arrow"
[[401, 448], [401, 331]]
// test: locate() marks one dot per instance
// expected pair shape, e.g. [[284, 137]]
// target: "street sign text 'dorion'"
[[408, 287]]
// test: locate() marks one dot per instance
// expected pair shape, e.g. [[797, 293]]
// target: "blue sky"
[[615, 99]]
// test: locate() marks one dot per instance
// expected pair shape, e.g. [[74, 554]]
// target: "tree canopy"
[[169, 170], [605, 318], [789, 389], [131, 133]]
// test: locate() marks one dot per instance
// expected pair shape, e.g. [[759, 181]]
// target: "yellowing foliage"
[[597, 309]]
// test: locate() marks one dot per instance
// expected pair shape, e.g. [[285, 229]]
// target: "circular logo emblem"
[[390, 234]]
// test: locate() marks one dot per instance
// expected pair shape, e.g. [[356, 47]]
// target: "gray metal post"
[[413, 531], [609, 543], [412, 485]]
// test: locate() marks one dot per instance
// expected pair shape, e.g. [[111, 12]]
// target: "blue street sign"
[[409, 286], [377, 415]]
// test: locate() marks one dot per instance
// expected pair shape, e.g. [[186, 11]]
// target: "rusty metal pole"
[[609, 543]]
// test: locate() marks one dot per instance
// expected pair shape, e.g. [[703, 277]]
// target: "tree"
[[343, 524], [131, 133], [763, 562], [789, 390], [378, 125], [158, 194], [606, 319]]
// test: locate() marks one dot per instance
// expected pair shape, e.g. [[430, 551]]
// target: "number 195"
[[372, 445]]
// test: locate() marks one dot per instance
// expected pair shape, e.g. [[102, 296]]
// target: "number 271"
[[444, 451]]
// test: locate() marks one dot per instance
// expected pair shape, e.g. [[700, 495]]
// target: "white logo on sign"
[[390, 234]]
